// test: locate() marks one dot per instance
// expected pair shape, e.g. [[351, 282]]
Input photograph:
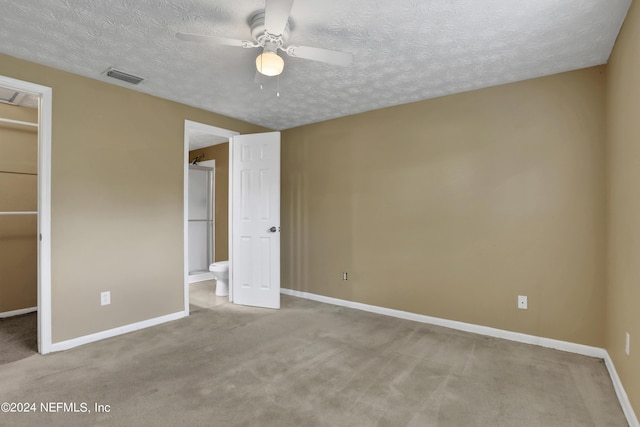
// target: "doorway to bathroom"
[[207, 210], [247, 217]]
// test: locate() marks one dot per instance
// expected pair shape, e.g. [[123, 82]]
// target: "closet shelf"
[[19, 213], [19, 173], [18, 122]]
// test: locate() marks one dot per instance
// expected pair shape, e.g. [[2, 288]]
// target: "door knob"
[[272, 229]]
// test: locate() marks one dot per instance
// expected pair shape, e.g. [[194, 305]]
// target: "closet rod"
[[18, 122], [19, 173], [19, 213]]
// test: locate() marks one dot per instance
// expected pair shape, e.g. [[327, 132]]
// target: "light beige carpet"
[[18, 337], [311, 364]]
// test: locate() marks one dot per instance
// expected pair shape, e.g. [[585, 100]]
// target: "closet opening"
[[18, 224], [25, 254]]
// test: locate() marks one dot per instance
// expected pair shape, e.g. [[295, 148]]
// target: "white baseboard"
[[201, 277], [65, 345], [453, 324], [18, 312], [632, 419]]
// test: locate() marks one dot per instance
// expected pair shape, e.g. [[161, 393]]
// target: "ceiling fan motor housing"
[[261, 36]]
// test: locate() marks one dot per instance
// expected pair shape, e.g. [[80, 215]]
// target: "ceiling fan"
[[270, 31]]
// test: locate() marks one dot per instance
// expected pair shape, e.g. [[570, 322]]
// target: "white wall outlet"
[[627, 343], [522, 302], [105, 298]]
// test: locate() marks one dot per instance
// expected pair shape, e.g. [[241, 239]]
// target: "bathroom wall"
[[116, 217], [623, 166], [18, 192], [219, 153], [452, 207]]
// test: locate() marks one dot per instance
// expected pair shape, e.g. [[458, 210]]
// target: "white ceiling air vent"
[[10, 96], [13, 97], [125, 77]]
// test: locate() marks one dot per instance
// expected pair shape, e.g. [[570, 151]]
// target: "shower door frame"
[[193, 278]]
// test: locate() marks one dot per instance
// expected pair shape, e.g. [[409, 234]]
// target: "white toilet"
[[220, 271]]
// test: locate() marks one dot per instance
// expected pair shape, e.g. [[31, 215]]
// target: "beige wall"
[[452, 207], [18, 192], [117, 199], [623, 163], [219, 153]]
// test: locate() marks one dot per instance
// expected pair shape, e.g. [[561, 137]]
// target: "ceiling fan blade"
[[214, 40], [276, 15], [323, 55]]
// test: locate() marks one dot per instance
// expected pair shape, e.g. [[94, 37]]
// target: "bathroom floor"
[[202, 295]]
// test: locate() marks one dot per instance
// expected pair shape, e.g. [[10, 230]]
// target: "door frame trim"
[[44, 205], [189, 128]]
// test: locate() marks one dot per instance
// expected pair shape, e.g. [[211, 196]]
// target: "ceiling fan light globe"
[[270, 64]]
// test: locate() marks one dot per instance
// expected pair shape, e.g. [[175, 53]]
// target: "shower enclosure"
[[201, 222]]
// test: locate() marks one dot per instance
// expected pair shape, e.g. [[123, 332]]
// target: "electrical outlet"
[[522, 302], [344, 276], [105, 298], [627, 343]]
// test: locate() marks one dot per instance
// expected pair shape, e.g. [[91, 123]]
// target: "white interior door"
[[255, 222]]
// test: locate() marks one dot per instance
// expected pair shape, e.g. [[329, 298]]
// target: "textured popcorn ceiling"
[[404, 50]]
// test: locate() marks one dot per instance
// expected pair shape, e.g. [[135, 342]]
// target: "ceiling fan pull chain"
[[278, 90]]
